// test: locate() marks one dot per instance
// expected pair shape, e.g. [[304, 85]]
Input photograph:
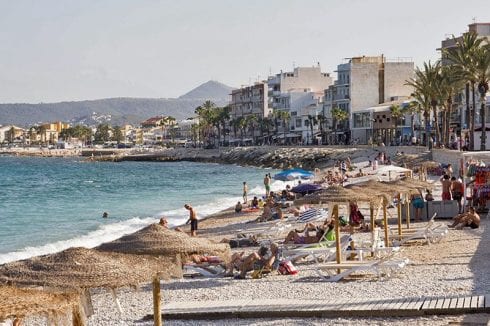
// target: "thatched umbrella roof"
[[337, 194], [15, 302], [160, 241], [81, 268], [388, 188]]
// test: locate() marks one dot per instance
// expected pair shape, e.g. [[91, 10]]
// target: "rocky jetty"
[[264, 156]]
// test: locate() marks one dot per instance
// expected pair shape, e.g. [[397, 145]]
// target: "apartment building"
[[300, 93], [365, 82]]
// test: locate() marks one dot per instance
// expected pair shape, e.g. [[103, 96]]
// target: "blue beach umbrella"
[[306, 188], [292, 174]]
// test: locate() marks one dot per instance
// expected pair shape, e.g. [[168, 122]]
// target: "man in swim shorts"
[[267, 184], [192, 219]]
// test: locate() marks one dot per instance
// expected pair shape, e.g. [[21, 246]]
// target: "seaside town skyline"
[[161, 49]]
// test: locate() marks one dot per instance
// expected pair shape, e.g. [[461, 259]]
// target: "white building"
[[298, 92], [364, 82]]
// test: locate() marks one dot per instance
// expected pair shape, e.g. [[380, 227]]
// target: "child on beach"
[[192, 219], [245, 192]]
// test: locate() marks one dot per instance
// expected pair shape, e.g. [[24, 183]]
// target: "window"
[[298, 123]]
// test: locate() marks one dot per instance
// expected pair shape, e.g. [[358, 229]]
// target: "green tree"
[[338, 115], [482, 72], [426, 86], [252, 122], [117, 134], [102, 134], [312, 121], [463, 56], [396, 114], [321, 123]]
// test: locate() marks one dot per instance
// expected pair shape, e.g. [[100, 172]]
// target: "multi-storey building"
[[299, 93], [250, 101], [364, 82]]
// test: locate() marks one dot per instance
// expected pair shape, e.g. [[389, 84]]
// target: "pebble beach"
[[458, 265]]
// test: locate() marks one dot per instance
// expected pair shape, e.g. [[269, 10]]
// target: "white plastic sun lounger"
[[322, 251], [431, 233], [328, 271], [206, 270]]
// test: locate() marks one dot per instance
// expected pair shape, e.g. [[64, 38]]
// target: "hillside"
[[118, 110], [210, 89]]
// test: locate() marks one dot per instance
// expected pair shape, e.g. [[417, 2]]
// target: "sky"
[[71, 50]]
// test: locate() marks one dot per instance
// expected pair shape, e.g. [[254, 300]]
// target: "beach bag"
[[286, 267]]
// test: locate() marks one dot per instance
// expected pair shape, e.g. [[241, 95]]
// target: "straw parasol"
[[15, 302], [81, 268], [337, 194], [157, 240]]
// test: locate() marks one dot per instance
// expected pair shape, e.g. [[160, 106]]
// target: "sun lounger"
[[431, 233], [375, 247], [204, 269], [380, 267], [320, 252]]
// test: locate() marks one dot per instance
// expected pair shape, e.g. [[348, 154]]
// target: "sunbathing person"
[[266, 214], [266, 259], [470, 219], [295, 236]]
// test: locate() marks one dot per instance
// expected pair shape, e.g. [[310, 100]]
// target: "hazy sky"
[[55, 50]]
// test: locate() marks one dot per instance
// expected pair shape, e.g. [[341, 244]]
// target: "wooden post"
[[157, 312], [371, 221], [407, 201], [335, 214], [399, 211], [385, 222]]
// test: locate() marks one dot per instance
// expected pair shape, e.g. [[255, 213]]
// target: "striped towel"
[[312, 214]]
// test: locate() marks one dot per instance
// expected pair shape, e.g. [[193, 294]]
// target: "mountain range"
[[115, 111]]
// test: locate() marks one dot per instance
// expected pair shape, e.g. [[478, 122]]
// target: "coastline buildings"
[[286, 102], [463, 104], [362, 83]]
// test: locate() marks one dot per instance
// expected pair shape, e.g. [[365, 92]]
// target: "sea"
[[50, 204]]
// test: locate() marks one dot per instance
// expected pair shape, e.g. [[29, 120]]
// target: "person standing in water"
[[245, 192], [192, 219], [267, 184]]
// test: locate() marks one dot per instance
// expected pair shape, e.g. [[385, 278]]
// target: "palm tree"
[[251, 122], [396, 113], [338, 115], [482, 72], [463, 57], [412, 108], [426, 89], [450, 83], [241, 124], [321, 121], [223, 118], [312, 121]]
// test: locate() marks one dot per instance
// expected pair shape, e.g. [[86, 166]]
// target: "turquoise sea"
[[49, 204]]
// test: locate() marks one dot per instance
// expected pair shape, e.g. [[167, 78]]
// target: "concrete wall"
[[396, 74], [364, 85]]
